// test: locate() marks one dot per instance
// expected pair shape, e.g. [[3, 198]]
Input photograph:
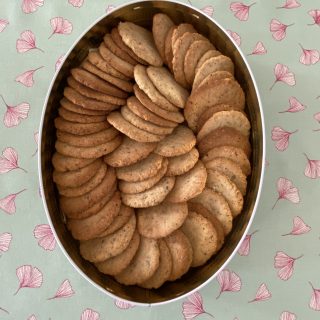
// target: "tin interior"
[[141, 13]]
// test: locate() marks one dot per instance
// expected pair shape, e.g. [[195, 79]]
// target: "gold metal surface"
[[141, 13]]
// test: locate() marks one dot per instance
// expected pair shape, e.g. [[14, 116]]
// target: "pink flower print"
[[281, 137], [259, 49], [110, 8], [26, 42], [90, 314], [26, 78], [287, 191], [208, 10], [59, 62], [44, 234], [64, 291], [315, 298], [294, 106], [283, 74], [123, 304], [235, 36], [7, 204], [241, 11], [60, 25], [315, 14], [29, 277], [32, 317], [290, 4], [29, 6], [9, 161], [316, 117], [286, 315], [278, 29], [312, 169], [228, 281], [5, 240], [244, 249], [76, 3], [299, 227], [262, 294], [309, 56], [36, 140], [284, 264], [193, 307], [3, 24]]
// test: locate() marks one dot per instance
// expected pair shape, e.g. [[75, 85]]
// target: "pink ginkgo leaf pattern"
[[208, 10], [29, 277], [36, 140], [309, 56], [121, 304], [26, 78], [5, 240], [312, 169], [314, 303], [59, 62], [286, 315], [244, 248], [299, 227], [64, 291], [29, 6], [8, 204], [259, 49], [229, 281], [286, 191], [283, 74], [294, 106], [262, 294], [45, 237], [110, 8], [285, 265], [315, 14], [60, 25], [89, 314], [9, 160], [290, 4], [278, 29], [3, 24], [76, 3], [240, 10], [281, 137], [193, 307], [235, 36], [26, 42], [32, 317]]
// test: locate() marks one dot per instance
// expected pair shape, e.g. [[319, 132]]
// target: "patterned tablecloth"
[[276, 273]]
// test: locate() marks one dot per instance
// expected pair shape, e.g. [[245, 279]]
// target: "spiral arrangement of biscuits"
[[151, 161]]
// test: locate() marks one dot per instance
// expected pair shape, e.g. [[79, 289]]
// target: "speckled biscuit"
[[218, 206], [88, 152], [219, 182], [160, 221], [79, 118], [196, 50], [118, 263], [163, 80], [218, 63], [100, 249], [181, 164], [141, 170], [176, 117], [224, 137], [142, 124], [181, 141], [143, 265], [161, 25], [180, 30], [117, 120], [141, 111], [140, 186], [217, 75], [226, 91], [150, 197], [209, 54], [68, 105], [141, 42], [91, 227], [181, 253], [168, 47], [63, 163], [163, 272], [129, 152], [189, 184], [90, 140], [233, 153]]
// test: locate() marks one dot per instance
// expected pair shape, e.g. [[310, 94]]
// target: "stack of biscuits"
[[151, 161]]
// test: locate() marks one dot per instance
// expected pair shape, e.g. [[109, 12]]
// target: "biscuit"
[[189, 184], [218, 206], [181, 164], [78, 117], [150, 197], [168, 47], [163, 272], [161, 25], [167, 86], [141, 42], [91, 227], [226, 91], [160, 221], [118, 263], [68, 105], [129, 152], [181, 253], [117, 120], [88, 152], [217, 75], [181, 141], [219, 182], [62, 163], [180, 30], [143, 265], [209, 54], [100, 249]]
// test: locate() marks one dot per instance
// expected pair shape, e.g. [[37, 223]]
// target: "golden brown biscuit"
[[209, 54], [78, 117], [63, 163], [68, 105], [168, 47]]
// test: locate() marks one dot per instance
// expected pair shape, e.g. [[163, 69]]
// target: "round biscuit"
[[63, 163], [79, 118], [68, 105]]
